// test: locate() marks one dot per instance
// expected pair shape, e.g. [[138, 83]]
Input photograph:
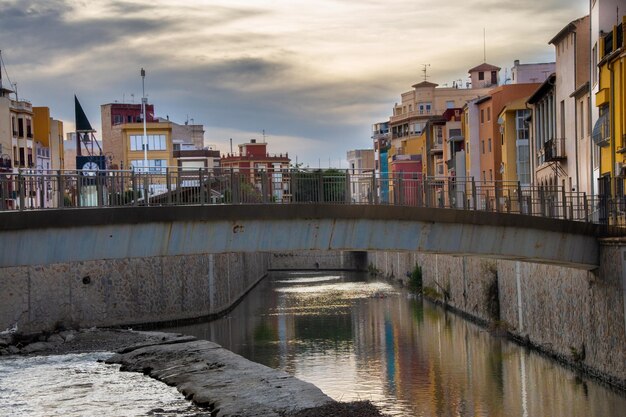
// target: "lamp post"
[[143, 111]]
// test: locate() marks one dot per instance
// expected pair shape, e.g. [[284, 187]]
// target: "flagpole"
[[143, 113]]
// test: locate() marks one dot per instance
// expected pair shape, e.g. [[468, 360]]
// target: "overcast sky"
[[314, 74]]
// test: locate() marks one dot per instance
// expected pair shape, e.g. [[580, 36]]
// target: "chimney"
[[516, 63]]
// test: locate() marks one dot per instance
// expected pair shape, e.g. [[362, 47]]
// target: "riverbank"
[[205, 373]]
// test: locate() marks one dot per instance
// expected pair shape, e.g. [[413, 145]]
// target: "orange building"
[[489, 136]]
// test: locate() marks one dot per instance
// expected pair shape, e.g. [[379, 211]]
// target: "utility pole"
[[143, 111]]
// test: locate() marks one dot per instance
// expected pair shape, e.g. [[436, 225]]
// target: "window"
[[482, 145], [594, 56], [450, 104], [494, 77], [488, 114], [481, 75], [489, 142], [129, 119], [482, 115], [490, 175], [118, 119], [155, 142], [154, 165], [20, 127]]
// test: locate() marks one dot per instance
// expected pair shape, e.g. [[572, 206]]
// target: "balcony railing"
[[554, 150]]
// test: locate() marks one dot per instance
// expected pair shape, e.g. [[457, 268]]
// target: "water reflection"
[[358, 338]]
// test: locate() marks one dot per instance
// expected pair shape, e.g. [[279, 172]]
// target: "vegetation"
[[329, 185], [415, 279]]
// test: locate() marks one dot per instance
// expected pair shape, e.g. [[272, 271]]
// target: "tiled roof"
[[484, 67]]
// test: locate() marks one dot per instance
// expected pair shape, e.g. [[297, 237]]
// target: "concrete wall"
[[574, 315], [125, 291], [316, 259]]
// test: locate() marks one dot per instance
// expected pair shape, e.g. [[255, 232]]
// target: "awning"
[[601, 131]]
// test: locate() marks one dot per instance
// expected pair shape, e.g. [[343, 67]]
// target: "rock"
[[13, 350], [68, 336], [5, 341], [36, 347], [56, 339], [4, 352], [214, 377]]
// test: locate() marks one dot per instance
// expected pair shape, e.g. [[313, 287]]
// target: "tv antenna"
[[425, 70]]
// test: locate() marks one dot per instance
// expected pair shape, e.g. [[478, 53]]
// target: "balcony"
[[613, 41], [554, 150]]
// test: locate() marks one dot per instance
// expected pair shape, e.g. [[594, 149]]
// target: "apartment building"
[[530, 73], [489, 136], [253, 163], [609, 132], [48, 135]]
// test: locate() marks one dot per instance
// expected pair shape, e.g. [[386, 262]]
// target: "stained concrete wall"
[[319, 260], [577, 316], [125, 291]]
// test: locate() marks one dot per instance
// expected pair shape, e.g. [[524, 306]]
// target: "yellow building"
[[609, 131], [48, 134], [160, 150], [514, 138]]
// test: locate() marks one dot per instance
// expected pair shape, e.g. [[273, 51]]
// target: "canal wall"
[[125, 292], [312, 260], [575, 316]]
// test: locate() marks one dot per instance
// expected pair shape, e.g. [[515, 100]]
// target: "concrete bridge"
[[73, 235]]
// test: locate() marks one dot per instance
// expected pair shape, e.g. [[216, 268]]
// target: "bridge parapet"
[[44, 237]]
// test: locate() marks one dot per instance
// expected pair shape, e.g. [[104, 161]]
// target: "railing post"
[[206, 189], [99, 178], [133, 180], [42, 187], [79, 188], [474, 199], [348, 195], [146, 188], [497, 195], [201, 186], [400, 192], [234, 185], [21, 184], [60, 190], [542, 202], [374, 194], [293, 178], [586, 207], [168, 185], [320, 185], [264, 194], [520, 198], [564, 199]]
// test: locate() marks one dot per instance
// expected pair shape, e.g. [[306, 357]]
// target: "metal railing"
[[31, 189]]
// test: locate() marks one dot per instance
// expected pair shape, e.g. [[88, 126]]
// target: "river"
[[354, 336], [358, 338]]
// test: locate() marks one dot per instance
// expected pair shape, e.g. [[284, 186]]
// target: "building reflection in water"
[[358, 338]]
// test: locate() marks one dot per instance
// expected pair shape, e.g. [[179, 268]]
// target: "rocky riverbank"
[[224, 383]]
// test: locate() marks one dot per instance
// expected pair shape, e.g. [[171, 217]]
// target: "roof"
[[482, 99], [517, 104], [484, 67], [543, 89], [424, 84], [569, 28]]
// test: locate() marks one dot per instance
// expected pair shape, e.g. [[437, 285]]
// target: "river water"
[[361, 338]]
